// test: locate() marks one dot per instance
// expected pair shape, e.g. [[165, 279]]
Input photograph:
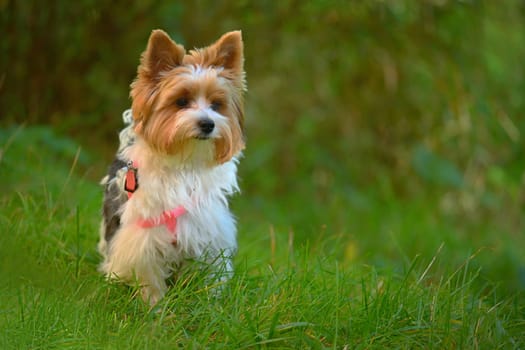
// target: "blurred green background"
[[379, 129]]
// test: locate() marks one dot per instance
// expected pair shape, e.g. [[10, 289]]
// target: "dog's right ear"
[[162, 54]]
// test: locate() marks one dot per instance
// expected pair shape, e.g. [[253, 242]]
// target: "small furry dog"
[[165, 198]]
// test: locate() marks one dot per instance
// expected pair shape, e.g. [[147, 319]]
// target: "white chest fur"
[[207, 229]]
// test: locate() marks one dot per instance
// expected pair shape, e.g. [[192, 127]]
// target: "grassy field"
[[393, 276], [383, 184]]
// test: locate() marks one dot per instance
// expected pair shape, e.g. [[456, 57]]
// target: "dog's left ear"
[[228, 52]]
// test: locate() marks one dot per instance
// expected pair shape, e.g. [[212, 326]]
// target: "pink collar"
[[168, 218]]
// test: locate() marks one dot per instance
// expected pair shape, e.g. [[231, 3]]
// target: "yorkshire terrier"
[[166, 193]]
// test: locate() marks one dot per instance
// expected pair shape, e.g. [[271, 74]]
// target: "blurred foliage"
[[400, 97]]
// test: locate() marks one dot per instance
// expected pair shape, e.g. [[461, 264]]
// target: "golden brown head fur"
[[175, 88]]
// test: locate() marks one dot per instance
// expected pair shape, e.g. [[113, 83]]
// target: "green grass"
[[392, 276]]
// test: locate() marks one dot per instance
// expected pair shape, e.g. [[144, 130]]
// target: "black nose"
[[206, 125]]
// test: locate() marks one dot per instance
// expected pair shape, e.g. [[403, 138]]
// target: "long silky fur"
[[176, 167], [206, 230]]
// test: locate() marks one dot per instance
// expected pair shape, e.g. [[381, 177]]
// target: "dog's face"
[[183, 99]]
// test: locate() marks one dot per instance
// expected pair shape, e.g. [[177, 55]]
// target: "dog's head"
[[181, 100]]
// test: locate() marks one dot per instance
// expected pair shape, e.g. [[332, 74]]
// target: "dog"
[[166, 193]]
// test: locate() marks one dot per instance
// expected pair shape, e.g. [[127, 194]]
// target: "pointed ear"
[[229, 51], [162, 54]]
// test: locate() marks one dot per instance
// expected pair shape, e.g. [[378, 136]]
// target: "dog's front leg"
[[136, 258], [151, 291]]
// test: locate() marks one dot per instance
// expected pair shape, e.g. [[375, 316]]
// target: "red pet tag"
[[130, 184]]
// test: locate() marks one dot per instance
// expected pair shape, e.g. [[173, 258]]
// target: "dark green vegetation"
[[383, 183]]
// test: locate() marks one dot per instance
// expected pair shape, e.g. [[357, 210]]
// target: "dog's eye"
[[216, 105], [182, 102]]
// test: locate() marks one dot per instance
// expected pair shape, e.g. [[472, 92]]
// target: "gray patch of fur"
[[114, 194]]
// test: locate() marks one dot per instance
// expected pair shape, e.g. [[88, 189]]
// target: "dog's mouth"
[[202, 137]]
